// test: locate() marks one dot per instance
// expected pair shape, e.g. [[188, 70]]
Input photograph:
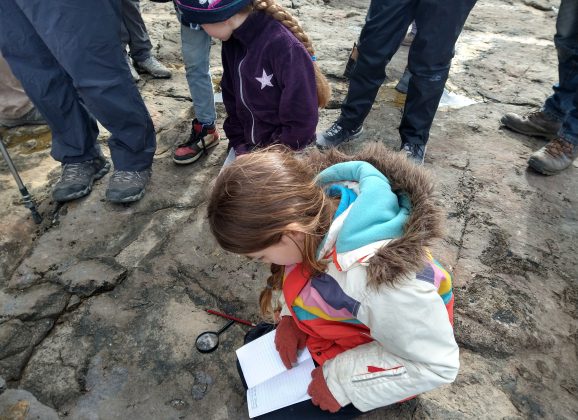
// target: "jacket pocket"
[[379, 373]]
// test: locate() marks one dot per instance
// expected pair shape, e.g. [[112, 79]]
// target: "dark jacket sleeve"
[[298, 110], [232, 125]]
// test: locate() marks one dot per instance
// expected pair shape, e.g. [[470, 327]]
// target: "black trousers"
[[304, 410], [439, 24]]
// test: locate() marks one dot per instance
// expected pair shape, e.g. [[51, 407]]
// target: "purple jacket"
[[268, 87]]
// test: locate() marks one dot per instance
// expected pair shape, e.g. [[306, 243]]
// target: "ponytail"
[[274, 282]]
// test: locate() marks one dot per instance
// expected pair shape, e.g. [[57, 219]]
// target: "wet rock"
[[37, 302], [17, 341], [493, 318], [90, 276], [2, 385], [17, 404], [15, 241], [55, 371]]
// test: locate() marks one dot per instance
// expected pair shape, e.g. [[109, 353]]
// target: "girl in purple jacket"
[[271, 85]]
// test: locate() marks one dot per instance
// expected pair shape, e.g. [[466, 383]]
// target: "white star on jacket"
[[265, 79]]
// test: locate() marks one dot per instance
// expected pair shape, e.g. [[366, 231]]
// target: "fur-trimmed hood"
[[406, 254]]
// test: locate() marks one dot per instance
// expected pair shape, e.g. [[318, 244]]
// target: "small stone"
[[2, 385], [201, 385], [178, 404], [31, 144]]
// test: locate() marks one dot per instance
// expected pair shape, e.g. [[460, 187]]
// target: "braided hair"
[[282, 15]]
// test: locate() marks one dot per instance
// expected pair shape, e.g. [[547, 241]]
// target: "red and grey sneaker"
[[203, 137]]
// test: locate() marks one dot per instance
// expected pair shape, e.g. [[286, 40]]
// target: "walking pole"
[[26, 197]]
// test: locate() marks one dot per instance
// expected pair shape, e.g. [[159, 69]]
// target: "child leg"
[[196, 46]]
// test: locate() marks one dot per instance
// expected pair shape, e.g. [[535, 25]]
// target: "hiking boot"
[[127, 186], [335, 135], [133, 72], [403, 83], [77, 178], [415, 152], [536, 123], [32, 117], [153, 67], [556, 156], [202, 138]]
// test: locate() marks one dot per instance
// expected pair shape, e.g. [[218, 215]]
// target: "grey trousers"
[[134, 32]]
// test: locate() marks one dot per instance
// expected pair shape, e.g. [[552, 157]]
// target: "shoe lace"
[[195, 136], [152, 63], [72, 171], [558, 147], [411, 148], [334, 129], [532, 114], [127, 176]]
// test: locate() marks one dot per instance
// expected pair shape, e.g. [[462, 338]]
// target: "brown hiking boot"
[[537, 123], [556, 156]]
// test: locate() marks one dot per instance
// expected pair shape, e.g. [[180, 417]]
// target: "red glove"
[[288, 339], [321, 396]]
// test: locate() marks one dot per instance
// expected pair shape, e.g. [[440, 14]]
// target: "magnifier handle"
[[227, 325]]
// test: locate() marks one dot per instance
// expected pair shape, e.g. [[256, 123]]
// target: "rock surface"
[[100, 304]]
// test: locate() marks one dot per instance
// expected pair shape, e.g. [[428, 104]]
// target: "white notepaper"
[[271, 385]]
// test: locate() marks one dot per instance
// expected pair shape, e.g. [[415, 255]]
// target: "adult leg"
[[566, 41], [559, 153], [134, 31], [136, 36], [94, 60], [547, 121], [385, 27], [74, 130], [440, 24]]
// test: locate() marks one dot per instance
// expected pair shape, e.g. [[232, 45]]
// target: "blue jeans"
[[196, 45], [439, 23], [68, 56], [563, 104]]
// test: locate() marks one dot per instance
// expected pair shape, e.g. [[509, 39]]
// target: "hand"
[[321, 396], [288, 339]]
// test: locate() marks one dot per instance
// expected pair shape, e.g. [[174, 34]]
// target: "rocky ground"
[[100, 304]]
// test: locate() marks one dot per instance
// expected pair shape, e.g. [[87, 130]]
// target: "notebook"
[[271, 385]]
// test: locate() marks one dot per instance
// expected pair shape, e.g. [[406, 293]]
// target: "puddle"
[[27, 139], [389, 95]]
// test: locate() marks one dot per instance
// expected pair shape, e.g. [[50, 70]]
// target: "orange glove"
[[288, 339], [321, 396]]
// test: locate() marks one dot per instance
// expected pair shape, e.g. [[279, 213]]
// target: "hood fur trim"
[[405, 255]]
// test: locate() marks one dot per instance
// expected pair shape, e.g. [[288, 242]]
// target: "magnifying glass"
[[209, 340]]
